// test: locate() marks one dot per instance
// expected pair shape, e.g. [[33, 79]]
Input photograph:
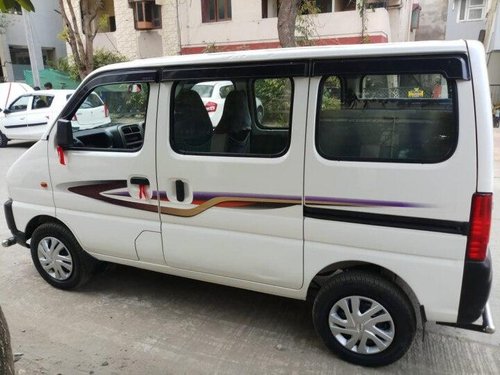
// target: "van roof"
[[297, 53]]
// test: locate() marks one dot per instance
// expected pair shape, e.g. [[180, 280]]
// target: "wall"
[[135, 44], [247, 28], [46, 25], [432, 20], [456, 29]]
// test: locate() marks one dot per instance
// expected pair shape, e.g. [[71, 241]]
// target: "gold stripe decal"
[[190, 212]]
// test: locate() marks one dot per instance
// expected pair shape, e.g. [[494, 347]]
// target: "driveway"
[[129, 321]]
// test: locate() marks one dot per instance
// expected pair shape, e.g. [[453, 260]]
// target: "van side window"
[[112, 117], [275, 95], [407, 118], [240, 117]]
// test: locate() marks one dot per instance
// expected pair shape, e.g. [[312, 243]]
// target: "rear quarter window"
[[406, 118]]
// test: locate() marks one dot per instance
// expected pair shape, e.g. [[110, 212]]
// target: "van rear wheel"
[[59, 258], [364, 319]]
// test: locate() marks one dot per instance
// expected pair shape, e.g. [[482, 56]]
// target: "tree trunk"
[[287, 15], [6, 359], [83, 54]]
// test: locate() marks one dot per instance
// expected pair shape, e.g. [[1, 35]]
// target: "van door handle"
[[180, 191], [139, 181], [143, 184]]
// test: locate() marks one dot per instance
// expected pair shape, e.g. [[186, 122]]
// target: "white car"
[[29, 116], [9, 91], [214, 93]]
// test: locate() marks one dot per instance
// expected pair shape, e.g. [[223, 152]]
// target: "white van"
[[366, 187]]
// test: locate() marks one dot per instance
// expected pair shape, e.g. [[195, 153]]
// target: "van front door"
[[104, 183], [231, 206]]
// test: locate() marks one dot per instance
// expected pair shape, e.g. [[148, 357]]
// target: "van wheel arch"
[[39, 220], [322, 277]]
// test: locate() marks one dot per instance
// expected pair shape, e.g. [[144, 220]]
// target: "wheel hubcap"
[[361, 325], [55, 258]]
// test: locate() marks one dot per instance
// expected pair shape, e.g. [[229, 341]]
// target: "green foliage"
[[331, 94], [5, 5], [101, 58], [211, 48], [275, 95], [304, 24]]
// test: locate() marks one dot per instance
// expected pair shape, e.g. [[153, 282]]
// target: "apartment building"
[[44, 25], [149, 28], [466, 19]]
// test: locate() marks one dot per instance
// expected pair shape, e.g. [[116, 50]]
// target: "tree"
[[287, 16], [9, 4], [83, 53], [294, 30], [101, 58]]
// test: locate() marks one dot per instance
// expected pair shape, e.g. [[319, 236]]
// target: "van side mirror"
[[64, 135], [6, 111]]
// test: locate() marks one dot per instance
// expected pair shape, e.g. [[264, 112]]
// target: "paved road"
[[129, 321]]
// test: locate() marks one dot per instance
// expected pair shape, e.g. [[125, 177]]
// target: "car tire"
[[377, 339], [260, 114], [59, 258], [3, 140]]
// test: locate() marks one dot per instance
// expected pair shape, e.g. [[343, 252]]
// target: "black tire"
[[369, 289], [82, 264], [260, 114], [3, 140]]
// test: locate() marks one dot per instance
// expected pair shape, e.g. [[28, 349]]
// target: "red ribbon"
[[142, 191], [60, 152]]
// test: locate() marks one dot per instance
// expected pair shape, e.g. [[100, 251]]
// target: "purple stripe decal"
[[359, 202], [207, 196]]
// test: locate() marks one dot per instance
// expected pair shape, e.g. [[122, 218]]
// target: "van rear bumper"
[[476, 286], [18, 236]]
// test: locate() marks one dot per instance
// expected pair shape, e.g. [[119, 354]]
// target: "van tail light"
[[480, 225], [106, 110], [211, 107]]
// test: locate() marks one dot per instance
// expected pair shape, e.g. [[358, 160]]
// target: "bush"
[[101, 58]]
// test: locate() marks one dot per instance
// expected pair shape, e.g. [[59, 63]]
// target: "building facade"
[[44, 25], [466, 19], [150, 28]]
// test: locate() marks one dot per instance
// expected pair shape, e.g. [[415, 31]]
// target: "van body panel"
[[484, 121], [146, 245], [299, 294], [92, 179], [410, 254], [258, 244], [32, 199]]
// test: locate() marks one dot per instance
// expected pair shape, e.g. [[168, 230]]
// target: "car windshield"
[[205, 91]]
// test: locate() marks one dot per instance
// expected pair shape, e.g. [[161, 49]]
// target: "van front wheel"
[[58, 257], [364, 318]]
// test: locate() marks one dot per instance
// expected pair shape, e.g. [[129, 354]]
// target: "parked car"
[[214, 93], [9, 91], [29, 116]]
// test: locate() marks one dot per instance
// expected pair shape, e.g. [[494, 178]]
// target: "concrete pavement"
[[129, 321]]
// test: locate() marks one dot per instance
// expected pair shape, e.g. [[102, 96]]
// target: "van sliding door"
[[230, 172]]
